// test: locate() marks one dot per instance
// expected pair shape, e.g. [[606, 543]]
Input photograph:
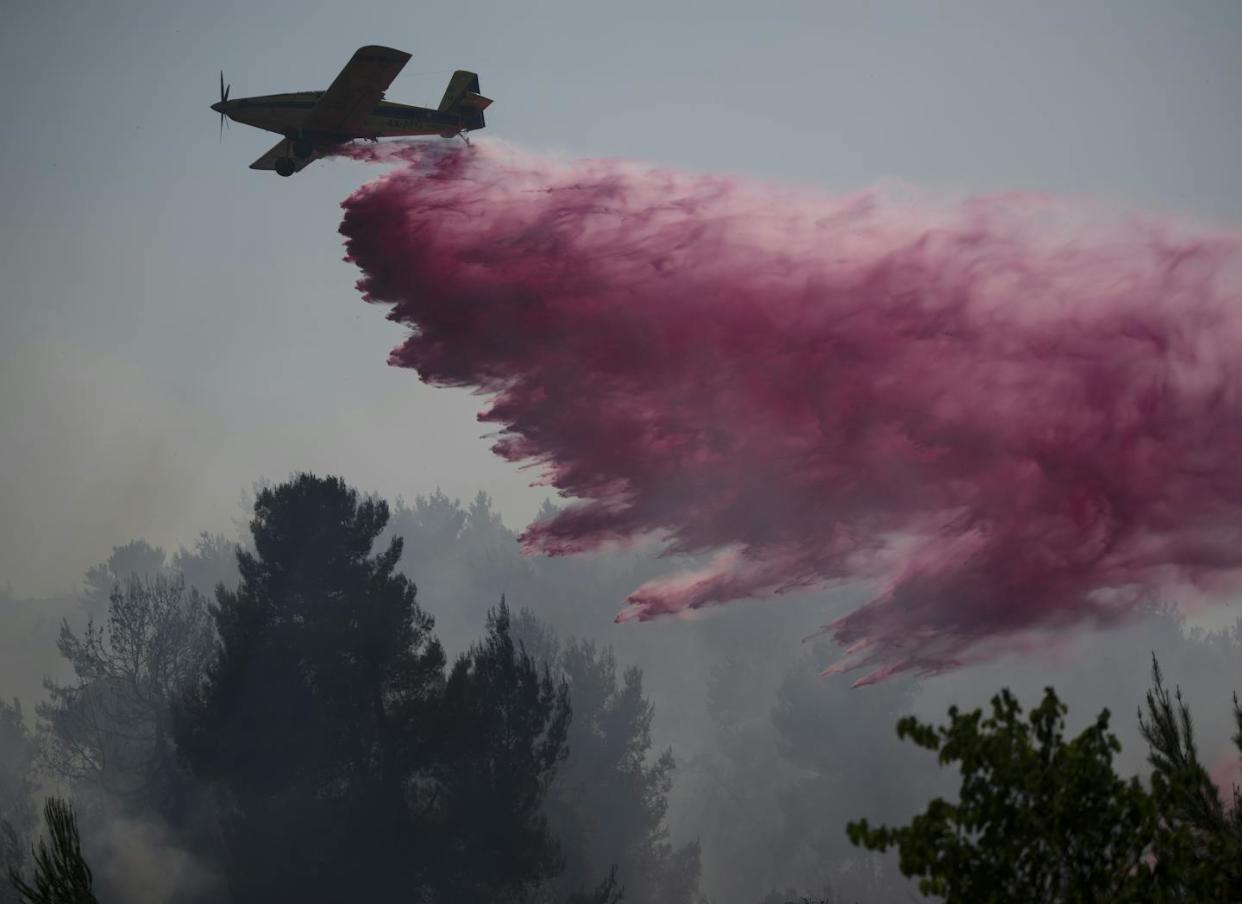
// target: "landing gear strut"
[[302, 148]]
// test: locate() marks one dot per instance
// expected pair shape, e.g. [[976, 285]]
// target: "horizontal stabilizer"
[[472, 101]]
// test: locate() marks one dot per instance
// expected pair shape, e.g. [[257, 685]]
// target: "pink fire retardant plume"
[[1226, 774], [1007, 415]]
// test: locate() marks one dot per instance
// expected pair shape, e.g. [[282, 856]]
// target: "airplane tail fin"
[[462, 96]]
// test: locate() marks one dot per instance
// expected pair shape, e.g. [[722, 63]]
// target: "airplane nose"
[[218, 106]]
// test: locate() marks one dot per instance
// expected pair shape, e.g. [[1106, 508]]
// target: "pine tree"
[[312, 722], [61, 875], [502, 735]]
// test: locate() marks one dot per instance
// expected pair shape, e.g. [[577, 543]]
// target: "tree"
[[1192, 797], [312, 721], [463, 558], [608, 803], [502, 735], [61, 875], [135, 559], [607, 892], [1043, 819], [430, 527], [213, 560], [112, 727]]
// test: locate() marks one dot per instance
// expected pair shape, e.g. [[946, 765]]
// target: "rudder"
[[463, 97]]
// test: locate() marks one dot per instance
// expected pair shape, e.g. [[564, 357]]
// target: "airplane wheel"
[[303, 148], [285, 166]]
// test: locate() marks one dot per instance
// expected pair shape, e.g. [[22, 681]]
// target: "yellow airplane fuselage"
[[286, 113]]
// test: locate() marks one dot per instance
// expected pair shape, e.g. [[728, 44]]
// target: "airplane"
[[353, 107]]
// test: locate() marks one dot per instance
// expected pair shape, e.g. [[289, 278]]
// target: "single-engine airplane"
[[353, 107]]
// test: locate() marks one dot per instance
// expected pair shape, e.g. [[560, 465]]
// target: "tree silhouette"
[[501, 736], [312, 719], [608, 803], [61, 875], [112, 727], [1180, 778], [610, 891], [135, 559]]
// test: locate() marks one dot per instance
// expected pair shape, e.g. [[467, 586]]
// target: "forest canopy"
[[364, 701]]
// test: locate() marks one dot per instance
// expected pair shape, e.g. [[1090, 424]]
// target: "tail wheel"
[[285, 166]]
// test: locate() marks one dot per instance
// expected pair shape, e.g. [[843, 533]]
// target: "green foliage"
[[61, 875], [348, 765], [1043, 818], [502, 736], [307, 722], [1179, 779]]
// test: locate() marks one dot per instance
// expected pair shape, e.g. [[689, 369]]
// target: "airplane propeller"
[[224, 99]]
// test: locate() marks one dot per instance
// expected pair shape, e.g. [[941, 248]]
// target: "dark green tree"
[[61, 875], [502, 735], [1192, 798], [313, 719], [1042, 818]]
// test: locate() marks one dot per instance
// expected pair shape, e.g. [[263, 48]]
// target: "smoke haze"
[[1003, 415]]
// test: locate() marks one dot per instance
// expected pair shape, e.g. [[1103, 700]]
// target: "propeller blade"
[[224, 99]]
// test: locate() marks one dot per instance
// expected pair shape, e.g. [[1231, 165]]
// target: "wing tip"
[[386, 53]]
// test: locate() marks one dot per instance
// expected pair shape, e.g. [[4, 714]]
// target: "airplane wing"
[[355, 92], [281, 149]]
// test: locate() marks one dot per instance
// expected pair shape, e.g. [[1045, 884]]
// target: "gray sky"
[[174, 326]]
